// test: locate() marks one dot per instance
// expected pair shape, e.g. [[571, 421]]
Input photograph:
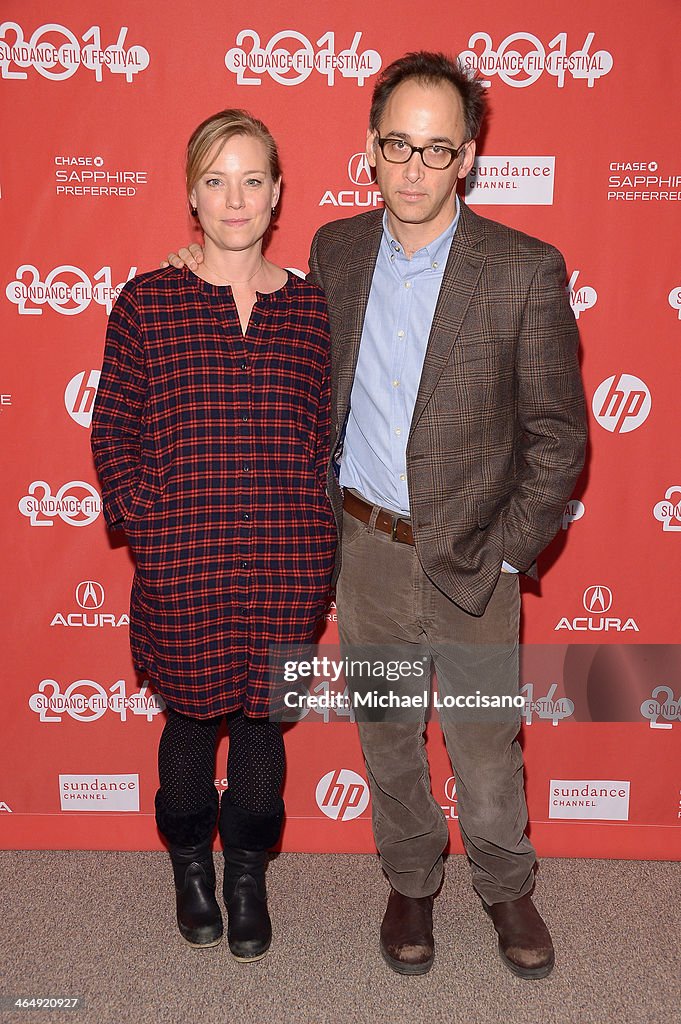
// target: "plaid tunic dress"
[[212, 448]]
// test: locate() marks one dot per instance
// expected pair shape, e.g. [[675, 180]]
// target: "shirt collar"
[[436, 251]]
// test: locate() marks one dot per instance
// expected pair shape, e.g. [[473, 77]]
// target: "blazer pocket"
[[488, 511]]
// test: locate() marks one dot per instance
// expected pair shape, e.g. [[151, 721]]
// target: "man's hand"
[[190, 257]]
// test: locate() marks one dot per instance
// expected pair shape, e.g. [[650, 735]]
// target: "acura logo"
[[450, 789], [90, 594], [598, 599], [360, 171]]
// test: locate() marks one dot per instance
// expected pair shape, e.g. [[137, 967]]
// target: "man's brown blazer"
[[498, 432]]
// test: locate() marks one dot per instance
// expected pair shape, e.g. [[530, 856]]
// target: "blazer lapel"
[[358, 276], [461, 276]]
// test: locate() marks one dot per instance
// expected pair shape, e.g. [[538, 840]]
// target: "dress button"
[[246, 517], [244, 565], [244, 366], [245, 419]]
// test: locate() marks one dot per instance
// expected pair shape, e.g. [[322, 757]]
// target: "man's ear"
[[468, 159], [372, 135]]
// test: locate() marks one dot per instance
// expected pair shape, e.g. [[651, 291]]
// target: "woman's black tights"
[[186, 762]]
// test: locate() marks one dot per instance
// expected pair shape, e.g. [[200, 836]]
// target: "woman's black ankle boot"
[[246, 837], [190, 844]]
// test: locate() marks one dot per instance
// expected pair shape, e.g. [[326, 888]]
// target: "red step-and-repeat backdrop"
[[582, 149]]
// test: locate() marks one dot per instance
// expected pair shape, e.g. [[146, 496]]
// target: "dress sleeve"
[[117, 416]]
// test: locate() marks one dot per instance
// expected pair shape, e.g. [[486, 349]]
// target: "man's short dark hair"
[[431, 69]]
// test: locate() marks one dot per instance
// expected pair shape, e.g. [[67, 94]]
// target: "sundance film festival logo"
[[668, 511], [289, 58], [99, 792], [361, 175], [80, 394], [621, 403], [597, 601], [511, 181], [584, 297], [674, 300], [521, 59], [67, 290], [54, 52], [85, 700], [90, 597], [661, 704], [547, 707], [76, 503], [342, 794], [574, 510]]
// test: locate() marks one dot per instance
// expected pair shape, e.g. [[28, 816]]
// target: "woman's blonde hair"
[[219, 129]]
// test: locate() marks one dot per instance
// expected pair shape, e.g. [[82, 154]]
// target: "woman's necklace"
[[224, 280]]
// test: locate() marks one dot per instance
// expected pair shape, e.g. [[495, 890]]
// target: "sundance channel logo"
[[511, 181], [99, 792], [589, 799]]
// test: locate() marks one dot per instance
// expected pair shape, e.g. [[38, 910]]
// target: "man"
[[458, 433]]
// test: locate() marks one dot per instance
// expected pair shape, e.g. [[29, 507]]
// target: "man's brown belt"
[[399, 529]]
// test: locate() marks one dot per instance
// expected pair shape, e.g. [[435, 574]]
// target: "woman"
[[210, 436]]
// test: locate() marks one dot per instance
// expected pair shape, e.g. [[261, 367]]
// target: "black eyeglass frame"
[[453, 153]]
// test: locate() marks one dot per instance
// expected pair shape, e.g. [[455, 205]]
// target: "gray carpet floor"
[[100, 925]]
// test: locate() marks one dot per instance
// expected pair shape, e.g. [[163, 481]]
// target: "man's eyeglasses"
[[397, 151]]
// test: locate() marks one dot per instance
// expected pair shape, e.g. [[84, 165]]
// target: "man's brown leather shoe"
[[407, 933], [524, 942]]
